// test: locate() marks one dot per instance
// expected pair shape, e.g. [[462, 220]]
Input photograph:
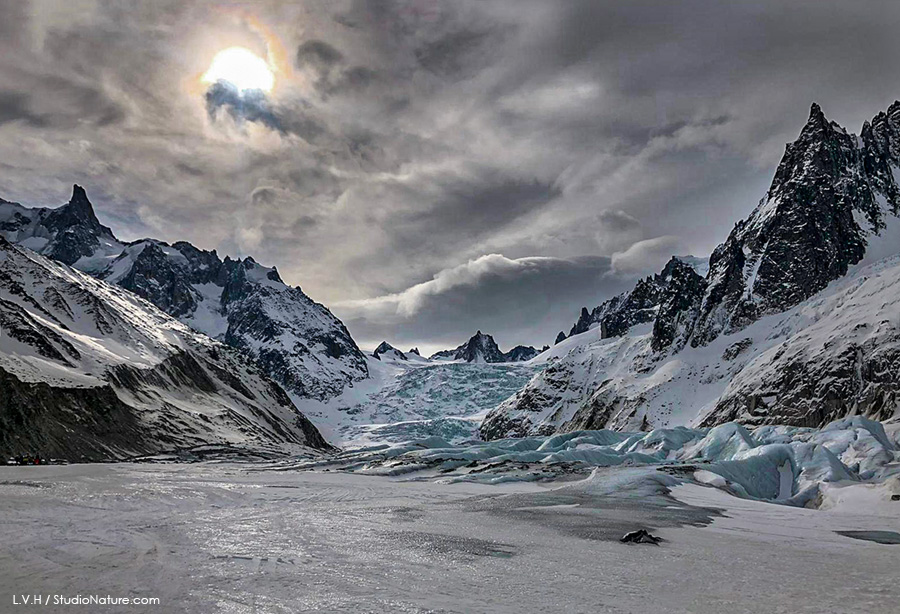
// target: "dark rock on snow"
[[482, 348]]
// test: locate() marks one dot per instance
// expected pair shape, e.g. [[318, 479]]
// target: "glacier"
[[414, 397], [389, 529]]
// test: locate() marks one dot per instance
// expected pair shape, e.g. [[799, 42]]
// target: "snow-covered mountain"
[[795, 321], [386, 351], [677, 282], [297, 341], [482, 348], [521, 353], [70, 233], [829, 193], [91, 371], [479, 348]]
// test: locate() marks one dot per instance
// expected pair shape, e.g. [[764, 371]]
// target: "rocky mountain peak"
[[621, 312], [70, 232], [816, 116], [675, 287], [675, 267], [79, 202], [804, 233], [77, 212], [818, 128], [388, 351], [521, 353], [297, 341], [154, 276], [881, 147], [480, 348], [678, 305], [830, 191]]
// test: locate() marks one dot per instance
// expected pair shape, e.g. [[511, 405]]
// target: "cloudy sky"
[[429, 168]]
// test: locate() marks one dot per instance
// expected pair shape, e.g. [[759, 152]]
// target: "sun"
[[242, 68]]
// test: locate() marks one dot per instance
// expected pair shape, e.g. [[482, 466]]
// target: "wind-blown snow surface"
[[267, 537], [787, 365], [414, 398]]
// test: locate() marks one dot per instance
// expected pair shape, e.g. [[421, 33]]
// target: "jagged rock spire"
[[815, 113], [802, 235]]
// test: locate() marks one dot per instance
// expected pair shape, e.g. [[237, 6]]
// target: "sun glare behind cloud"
[[241, 67]]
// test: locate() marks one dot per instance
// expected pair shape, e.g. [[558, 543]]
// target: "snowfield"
[[526, 525], [246, 539]]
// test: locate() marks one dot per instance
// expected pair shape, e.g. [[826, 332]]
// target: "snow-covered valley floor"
[[267, 538]]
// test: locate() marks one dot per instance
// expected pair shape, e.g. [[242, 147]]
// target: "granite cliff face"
[[805, 233], [752, 340], [642, 304]]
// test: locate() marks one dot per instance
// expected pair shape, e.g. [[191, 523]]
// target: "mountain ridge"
[[90, 371], [482, 348], [299, 342], [699, 353]]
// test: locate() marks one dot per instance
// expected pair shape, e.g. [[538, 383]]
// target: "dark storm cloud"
[[517, 301], [59, 103], [13, 19], [455, 52], [618, 221], [249, 105], [254, 106], [318, 54], [331, 73], [473, 206], [14, 106], [352, 79], [413, 137]]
